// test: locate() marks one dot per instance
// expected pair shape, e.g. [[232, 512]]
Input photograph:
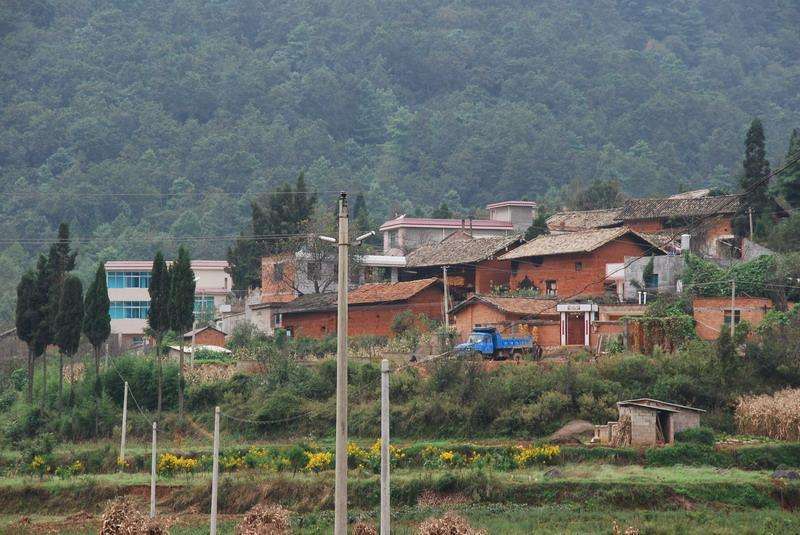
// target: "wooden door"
[[576, 332]]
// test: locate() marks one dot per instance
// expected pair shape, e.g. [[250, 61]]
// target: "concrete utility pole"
[[215, 474], [385, 459], [153, 475], [340, 495], [446, 298], [733, 308], [750, 216], [124, 428]]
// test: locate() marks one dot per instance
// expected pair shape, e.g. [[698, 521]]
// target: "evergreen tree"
[[60, 260], [756, 168], [442, 212], [27, 320], [788, 185], [69, 322], [46, 319], [158, 319], [97, 327], [538, 226], [601, 194], [182, 286]]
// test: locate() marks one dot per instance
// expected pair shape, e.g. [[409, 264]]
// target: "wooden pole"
[[124, 427], [215, 474], [340, 494], [385, 459], [153, 475]]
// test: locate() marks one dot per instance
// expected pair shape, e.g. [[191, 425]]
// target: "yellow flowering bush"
[[357, 457], [232, 462], [395, 453], [447, 457], [170, 464], [527, 456], [38, 465], [317, 462]]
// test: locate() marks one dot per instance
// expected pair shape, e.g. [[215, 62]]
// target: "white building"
[[128, 282]]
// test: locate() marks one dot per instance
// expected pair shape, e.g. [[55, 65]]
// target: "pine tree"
[[756, 168], [442, 212], [60, 260], [182, 286], [789, 182], [46, 319], [158, 314], [97, 327], [27, 320], [69, 322]]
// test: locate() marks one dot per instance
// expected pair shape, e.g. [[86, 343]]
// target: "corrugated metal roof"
[[459, 251], [681, 207], [572, 242]]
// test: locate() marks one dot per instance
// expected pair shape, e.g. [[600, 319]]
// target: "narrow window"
[[277, 272], [737, 317], [551, 287], [578, 266]]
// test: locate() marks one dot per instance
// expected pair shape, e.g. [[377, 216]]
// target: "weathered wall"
[[545, 334], [209, 337], [492, 273], [643, 424], [668, 268]]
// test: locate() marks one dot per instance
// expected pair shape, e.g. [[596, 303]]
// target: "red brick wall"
[[709, 313], [645, 225], [277, 291], [561, 268], [480, 313], [365, 320], [491, 273]]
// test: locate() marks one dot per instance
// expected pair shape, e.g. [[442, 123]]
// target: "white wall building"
[[128, 282]]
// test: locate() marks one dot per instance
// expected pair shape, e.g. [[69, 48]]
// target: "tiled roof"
[[201, 329], [364, 294], [513, 305], [583, 220], [671, 207], [463, 251], [571, 242], [480, 224]]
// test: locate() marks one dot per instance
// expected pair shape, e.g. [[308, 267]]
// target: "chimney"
[[685, 242]]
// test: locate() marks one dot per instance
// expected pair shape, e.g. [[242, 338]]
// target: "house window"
[[277, 272], [737, 317], [578, 266], [651, 282], [393, 238], [128, 279], [514, 267], [278, 319], [551, 287], [124, 310], [203, 307]]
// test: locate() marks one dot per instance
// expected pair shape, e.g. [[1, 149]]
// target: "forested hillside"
[[140, 120]]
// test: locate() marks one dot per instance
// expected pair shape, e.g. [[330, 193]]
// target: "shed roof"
[[658, 404], [201, 329], [574, 242], [463, 251], [584, 219], [679, 207], [512, 305]]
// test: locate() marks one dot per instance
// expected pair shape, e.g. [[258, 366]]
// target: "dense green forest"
[[136, 121]]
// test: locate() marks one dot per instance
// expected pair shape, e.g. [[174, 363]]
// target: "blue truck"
[[489, 343]]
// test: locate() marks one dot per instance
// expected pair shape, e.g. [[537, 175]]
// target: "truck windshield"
[[477, 338]]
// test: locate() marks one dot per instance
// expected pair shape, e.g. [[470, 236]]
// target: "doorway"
[[576, 331]]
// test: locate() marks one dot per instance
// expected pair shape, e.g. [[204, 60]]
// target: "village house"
[[128, 282], [574, 264], [207, 335], [712, 314], [472, 264], [371, 311], [404, 234]]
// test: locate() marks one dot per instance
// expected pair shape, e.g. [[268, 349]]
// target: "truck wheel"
[[516, 355]]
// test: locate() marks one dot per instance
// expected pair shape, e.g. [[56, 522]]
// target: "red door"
[[576, 331]]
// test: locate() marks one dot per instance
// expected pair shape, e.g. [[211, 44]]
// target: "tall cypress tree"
[[60, 261], [182, 286], [69, 322], [158, 314], [789, 182], [45, 317], [756, 168], [26, 321], [97, 327]]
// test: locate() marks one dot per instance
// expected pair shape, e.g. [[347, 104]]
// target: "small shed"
[[647, 422], [207, 335]]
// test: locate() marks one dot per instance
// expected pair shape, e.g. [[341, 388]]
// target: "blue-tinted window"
[[128, 279], [203, 307], [129, 309]]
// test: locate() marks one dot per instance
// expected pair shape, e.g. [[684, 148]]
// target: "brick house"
[[372, 309], [574, 264], [532, 316], [577, 220], [472, 264], [712, 314]]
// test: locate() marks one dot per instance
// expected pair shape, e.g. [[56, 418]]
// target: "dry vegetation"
[[776, 416], [449, 524], [265, 520], [122, 518]]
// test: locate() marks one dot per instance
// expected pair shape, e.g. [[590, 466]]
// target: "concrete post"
[[124, 428], [340, 494], [385, 454], [733, 308], [153, 475], [215, 474]]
